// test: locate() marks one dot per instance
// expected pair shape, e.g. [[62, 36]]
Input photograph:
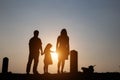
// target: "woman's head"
[[64, 32]]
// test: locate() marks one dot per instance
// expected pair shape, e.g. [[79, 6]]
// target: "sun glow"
[[54, 56]]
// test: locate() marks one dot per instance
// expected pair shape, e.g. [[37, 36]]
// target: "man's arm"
[[41, 48]]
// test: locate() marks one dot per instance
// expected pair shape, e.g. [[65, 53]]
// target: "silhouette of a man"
[[62, 48], [35, 45]]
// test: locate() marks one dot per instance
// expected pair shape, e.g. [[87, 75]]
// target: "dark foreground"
[[64, 76]]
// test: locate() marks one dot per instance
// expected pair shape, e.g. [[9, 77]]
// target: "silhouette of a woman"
[[62, 48]]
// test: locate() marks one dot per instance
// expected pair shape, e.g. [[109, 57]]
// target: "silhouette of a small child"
[[47, 57]]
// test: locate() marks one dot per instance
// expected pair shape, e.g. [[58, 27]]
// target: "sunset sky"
[[93, 27]]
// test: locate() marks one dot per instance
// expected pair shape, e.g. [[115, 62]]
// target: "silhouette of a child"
[[47, 57]]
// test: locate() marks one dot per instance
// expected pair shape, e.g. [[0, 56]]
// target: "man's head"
[[36, 33]]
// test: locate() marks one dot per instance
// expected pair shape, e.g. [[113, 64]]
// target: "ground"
[[64, 76]]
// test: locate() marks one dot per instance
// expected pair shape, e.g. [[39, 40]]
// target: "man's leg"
[[36, 60], [29, 64]]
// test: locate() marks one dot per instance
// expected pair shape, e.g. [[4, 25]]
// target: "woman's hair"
[[48, 46], [64, 32]]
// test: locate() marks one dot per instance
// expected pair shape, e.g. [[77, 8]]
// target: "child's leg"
[[46, 68]]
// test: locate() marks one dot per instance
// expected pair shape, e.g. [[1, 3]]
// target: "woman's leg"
[[59, 62], [63, 63]]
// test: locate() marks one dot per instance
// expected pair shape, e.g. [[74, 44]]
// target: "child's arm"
[[42, 53], [53, 51]]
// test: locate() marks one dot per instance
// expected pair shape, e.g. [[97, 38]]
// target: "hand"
[[42, 53]]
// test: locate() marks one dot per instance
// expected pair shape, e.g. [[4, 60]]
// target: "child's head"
[[49, 45]]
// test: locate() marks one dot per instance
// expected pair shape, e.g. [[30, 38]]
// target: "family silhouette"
[[63, 51], [35, 48]]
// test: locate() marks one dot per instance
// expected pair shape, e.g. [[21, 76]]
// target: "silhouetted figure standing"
[[35, 45], [47, 57], [62, 48]]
